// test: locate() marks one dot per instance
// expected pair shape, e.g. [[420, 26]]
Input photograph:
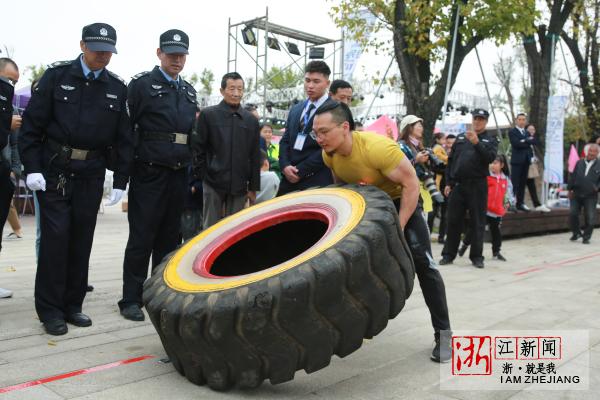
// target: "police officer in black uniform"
[[75, 126], [466, 186], [9, 75], [163, 110]]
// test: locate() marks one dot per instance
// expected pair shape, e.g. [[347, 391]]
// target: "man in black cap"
[[162, 107], [75, 126], [466, 186]]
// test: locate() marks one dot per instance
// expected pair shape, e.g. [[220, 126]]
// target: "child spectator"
[[500, 197], [269, 181]]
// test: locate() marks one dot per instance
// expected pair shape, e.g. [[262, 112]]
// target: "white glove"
[[36, 181], [115, 196]]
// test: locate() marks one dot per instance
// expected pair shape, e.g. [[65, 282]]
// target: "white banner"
[[353, 49], [554, 158]]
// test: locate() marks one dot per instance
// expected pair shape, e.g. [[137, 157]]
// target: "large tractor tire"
[[281, 286]]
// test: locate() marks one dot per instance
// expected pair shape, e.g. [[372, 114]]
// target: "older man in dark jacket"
[[227, 149], [583, 187]]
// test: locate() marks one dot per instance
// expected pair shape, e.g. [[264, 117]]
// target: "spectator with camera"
[[439, 209], [423, 159]]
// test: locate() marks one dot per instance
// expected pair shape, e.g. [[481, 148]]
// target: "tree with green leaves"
[[281, 78], [207, 78], [35, 71], [422, 39]]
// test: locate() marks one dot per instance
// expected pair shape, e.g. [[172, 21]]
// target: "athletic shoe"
[[523, 207], [5, 293], [542, 208], [13, 236], [441, 354]]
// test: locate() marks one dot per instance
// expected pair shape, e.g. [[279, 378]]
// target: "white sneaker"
[[5, 293], [542, 208], [525, 208]]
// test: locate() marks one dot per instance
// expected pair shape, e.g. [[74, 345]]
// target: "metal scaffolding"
[[273, 33]]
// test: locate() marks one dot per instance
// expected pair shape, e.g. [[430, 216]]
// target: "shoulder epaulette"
[[189, 85], [60, 64], [137, 76], [117, 77]]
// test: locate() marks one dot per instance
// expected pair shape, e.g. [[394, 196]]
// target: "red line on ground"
[[73, 373], [555, 264]]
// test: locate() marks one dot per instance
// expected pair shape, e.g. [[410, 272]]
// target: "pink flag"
[[384, 126], [573, 158]]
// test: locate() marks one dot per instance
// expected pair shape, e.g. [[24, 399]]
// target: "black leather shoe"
[[478, 264], [445, 261], [79, 319], [133, 312], [462, 250], [89, 288], [524, 208], [574, 237], [55, 327], [586, 241]]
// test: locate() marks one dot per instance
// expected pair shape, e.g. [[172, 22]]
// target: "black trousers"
[[588, 204], [468, 195], [494, 224], [68, 221], [533, 192], [156, 198], [7, 189], [430, 279], [439, 210], [518, 176]]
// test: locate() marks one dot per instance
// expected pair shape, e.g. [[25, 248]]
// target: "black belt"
[[72, 153], [175, 137]]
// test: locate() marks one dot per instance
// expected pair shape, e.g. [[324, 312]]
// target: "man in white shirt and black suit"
[[300, 157], [521, 155]]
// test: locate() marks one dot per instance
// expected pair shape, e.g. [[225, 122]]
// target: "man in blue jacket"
[[299, 155]]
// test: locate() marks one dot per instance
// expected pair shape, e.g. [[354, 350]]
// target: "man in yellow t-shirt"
[[370, 159]]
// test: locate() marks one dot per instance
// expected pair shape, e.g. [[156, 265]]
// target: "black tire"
[[293, 319]]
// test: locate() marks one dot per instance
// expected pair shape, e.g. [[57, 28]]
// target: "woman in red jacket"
[[500, 196]]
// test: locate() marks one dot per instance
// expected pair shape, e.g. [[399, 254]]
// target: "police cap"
[[99, 37], [480, 112], [174, 41]]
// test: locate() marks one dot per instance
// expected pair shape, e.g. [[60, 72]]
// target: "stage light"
[[316, 53], [248, 36], [292, 48], [273, 44]]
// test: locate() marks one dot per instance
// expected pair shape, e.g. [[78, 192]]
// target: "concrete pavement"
[[548, 283]]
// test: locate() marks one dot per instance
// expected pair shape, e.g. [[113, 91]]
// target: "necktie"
[[306, 117], [90, 76]]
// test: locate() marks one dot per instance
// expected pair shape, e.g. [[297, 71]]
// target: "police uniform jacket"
[[160, 109], [6, 95], [228, 149], [468, 161], [67, 109]]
